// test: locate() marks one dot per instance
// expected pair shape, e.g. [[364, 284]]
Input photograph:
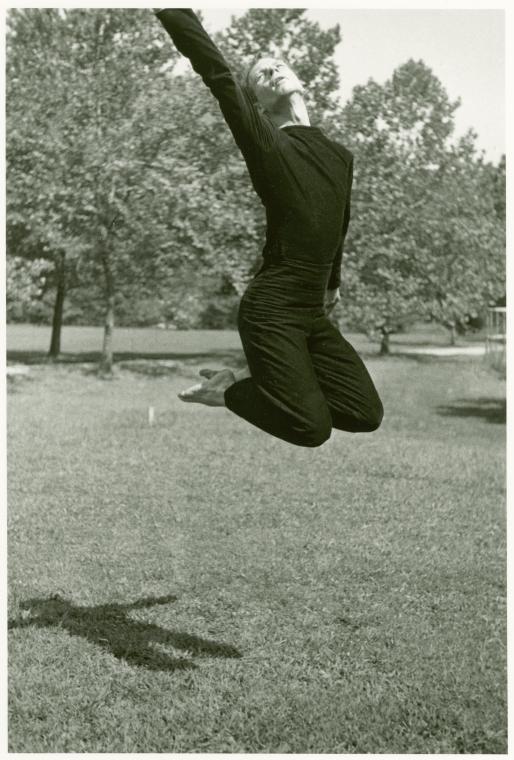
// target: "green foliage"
[[25, 282], [127, 172], [424, 242], [84, 133], [129, 168], [465, 269]]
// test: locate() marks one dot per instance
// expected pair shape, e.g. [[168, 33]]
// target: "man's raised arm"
[[249, 127]]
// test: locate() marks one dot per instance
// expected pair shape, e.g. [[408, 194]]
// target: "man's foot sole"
[[211, 392]]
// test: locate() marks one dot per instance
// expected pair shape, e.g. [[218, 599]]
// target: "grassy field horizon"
[[25, 339], [194, 585]]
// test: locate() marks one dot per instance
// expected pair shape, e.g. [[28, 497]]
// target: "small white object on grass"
[[151, 415]]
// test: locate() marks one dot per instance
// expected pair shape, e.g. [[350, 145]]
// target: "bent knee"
[[366, 420], [374, 417], [316, 434]]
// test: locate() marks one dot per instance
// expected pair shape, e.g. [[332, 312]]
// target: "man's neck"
[[289, 111]]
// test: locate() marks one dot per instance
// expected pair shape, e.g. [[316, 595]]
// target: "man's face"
[[271, 78]]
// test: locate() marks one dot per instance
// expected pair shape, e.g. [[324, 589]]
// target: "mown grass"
[[31, 342], [198, 586]]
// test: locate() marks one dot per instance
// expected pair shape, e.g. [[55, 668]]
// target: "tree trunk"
[[107, 355], [384, 344], [106, 361], [55, 340], [453, 335]]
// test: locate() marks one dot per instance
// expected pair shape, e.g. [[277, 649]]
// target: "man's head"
[[271, 79]]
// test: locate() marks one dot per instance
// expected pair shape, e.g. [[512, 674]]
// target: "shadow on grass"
[[108, 626], [489, 409]]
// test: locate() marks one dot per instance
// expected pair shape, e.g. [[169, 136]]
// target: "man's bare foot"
[[212, 390], [239, 374], [208, 373]]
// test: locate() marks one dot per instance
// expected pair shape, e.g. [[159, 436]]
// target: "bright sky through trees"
[[464, 48]]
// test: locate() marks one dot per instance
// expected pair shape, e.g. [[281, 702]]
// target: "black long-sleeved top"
[[302, 178]]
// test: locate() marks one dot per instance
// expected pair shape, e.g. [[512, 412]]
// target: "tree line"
[[128, 201]]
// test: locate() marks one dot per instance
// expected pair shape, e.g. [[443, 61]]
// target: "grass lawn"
[[198, 586], [30, 343]]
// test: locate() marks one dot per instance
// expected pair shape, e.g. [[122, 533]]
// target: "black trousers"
[[306, 378]]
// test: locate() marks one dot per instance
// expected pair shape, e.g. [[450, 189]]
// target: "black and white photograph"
[[255, 380]]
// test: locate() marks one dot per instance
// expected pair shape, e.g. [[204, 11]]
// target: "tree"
[[422, 232], [85, 127], [34, 145], [25, 280], [465, 267], [122, 172]]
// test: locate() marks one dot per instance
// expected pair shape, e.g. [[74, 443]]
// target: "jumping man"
[[303, 378]]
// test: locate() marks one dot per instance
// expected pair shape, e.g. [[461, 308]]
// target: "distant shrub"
[[220, 314]]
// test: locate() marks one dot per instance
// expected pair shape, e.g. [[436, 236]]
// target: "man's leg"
[[352, 398], [282, 396]]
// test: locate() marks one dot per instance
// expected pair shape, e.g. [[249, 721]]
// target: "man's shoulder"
[[347, 154], [343, 151]]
